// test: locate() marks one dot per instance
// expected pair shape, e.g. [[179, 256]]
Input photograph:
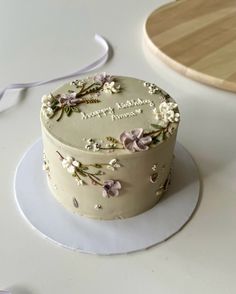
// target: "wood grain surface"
[[196, 38]]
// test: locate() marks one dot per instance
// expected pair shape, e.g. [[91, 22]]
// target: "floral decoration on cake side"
[[92, 172], [111, 188]]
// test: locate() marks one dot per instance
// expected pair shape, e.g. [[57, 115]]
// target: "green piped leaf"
[[161, 136], [91, 101], [68, 110], [76, 109], [97, 165], [111, 139], [156, 126]]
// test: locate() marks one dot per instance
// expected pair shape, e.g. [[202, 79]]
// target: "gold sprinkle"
[[98, 206]]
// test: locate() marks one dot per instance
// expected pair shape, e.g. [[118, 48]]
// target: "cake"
[[108, 145]]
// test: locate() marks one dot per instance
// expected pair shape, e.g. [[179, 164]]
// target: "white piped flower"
[[172, 116], [166, 113], [90, 140], [153, 89], [146, 84], [114, 163], [166, 106], [111, 88], [96, 147], [71, 169], [66, 162], [88, 146], [47, 100], [49, 111], [154, 167], [77, 83], [70, 164], [76, 163], [162, 120], [46, 106], [79, 182], [92, 145]]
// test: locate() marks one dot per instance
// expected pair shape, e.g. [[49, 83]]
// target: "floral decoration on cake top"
[[164, 118], [86, 93], [167, 118]]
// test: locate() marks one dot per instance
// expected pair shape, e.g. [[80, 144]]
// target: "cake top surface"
[[105, 113]]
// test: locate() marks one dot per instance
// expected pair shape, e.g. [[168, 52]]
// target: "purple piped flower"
[[103, 78], [135, 141], [111, 188], [68, 99]]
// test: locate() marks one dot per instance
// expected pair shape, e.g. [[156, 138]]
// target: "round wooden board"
[[197, 38]]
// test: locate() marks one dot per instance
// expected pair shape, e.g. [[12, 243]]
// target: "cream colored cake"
[[108, 145]]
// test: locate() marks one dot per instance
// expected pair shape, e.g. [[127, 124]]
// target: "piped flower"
[[47, 100], [70, 164], [152, 88], [161, 118], [77, 83], [167, 113], [154, 167], [113, 164], [111, 88], [92, 145], [111, 188], [135, 141], [47, 110], [103, 78], [80, 182], [68, 99]]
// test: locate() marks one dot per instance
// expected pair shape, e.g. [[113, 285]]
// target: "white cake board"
[[75, 232]]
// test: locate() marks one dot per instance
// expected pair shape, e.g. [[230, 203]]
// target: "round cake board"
[[75, 232], [196, 38]]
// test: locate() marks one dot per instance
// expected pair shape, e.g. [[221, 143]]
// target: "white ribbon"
[[92, 66]]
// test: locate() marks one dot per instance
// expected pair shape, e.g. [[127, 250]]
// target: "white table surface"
[[43, 39]]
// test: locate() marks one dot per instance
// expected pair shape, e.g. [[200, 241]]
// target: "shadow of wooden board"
[[196, 38]]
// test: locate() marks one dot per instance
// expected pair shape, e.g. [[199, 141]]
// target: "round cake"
[[108, 145]]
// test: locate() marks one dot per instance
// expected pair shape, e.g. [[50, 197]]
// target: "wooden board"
[[196, 38]]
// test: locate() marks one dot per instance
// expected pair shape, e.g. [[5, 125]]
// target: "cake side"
[[113, 161], [142, 177]]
